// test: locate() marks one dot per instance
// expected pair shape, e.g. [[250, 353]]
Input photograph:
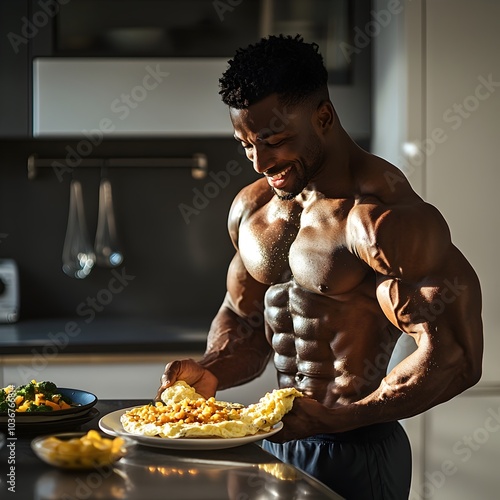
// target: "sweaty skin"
[[334, 261]]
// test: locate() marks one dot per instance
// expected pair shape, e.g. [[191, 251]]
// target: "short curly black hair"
[[285, 65]]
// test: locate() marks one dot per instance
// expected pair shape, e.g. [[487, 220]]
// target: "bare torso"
[[330, 337], [343, 257]]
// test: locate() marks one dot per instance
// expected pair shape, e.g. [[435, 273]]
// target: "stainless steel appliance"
[[9, 291]]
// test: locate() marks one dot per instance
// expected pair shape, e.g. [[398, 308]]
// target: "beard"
[[286, 196], [301, 183]]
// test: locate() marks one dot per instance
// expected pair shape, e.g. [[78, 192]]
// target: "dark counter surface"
[[244, 472], [102, 335]]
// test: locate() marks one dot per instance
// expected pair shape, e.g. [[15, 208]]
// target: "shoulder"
[[250, 199], [398, 234]]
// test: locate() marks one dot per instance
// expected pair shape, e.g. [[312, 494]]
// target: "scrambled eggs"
[[184, 413]]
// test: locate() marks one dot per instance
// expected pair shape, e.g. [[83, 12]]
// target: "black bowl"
[[82, 402]]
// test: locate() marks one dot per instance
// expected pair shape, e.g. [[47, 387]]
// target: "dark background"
[[179, 267]]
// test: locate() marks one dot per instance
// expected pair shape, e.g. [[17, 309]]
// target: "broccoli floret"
[[28, 391], [4, 406], [59, 397], [47, 388], [38, 409], [4, 393]]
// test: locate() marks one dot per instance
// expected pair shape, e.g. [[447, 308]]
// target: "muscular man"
[[338, 257]]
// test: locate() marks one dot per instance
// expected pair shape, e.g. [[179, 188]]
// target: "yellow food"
[[184, 413], [85, 452], [55, 402]]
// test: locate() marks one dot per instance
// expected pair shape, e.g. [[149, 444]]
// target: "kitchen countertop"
[[102, 335], [244, 472]]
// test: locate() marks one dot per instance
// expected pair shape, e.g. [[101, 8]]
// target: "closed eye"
[[244, 145], [276, 144]]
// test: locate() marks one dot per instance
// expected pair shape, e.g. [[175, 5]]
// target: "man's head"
[[279, 106], [282, 65]]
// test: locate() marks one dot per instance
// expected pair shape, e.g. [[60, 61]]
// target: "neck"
[[334, 177]]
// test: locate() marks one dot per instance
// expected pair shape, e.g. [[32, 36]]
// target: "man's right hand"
[[188, 370]]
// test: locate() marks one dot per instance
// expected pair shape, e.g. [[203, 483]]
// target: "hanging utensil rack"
[[197, 163]]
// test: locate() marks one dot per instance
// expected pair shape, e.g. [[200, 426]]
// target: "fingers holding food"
[[189, 371]]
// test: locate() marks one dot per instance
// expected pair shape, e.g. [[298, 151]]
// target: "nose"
[[260, 159]]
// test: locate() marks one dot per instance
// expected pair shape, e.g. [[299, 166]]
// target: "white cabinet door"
[[123, 377], [462, 449], [462, 171], [106, 379]]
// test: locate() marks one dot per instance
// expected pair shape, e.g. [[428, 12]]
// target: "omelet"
[[184, 414]]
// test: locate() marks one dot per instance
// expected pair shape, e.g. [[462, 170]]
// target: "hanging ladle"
[[107, 249], [78, 255]]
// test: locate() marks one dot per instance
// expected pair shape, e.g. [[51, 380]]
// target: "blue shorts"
[[372, 462]]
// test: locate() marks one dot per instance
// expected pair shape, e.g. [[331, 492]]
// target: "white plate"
[[111, 424]]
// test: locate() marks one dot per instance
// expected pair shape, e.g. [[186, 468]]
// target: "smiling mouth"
[[280, 175]]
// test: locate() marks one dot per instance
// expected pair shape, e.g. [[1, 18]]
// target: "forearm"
[[414, 386], [237, 350], [449, 355]]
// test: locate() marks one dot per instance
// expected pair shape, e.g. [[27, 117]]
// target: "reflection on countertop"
[[142, 477]]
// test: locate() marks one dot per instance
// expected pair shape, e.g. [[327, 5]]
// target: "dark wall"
[[174, 266]]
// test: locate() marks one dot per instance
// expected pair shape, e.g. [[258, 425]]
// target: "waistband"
[[374, 432]]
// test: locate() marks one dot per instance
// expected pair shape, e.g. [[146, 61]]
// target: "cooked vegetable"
[[35, 397], [4, 394], [47, 388], [27, 391]]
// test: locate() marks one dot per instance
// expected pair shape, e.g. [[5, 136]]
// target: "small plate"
[[83, 401], [111, 424]]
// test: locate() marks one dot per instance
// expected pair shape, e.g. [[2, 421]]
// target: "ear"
[[325, 115]]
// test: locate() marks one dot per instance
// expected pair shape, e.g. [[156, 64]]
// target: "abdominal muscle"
[[333, 349]]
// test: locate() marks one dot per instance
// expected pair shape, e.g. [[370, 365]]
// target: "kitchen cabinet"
[[437, 116], [107, 376], [48, 90], [14, 70]]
